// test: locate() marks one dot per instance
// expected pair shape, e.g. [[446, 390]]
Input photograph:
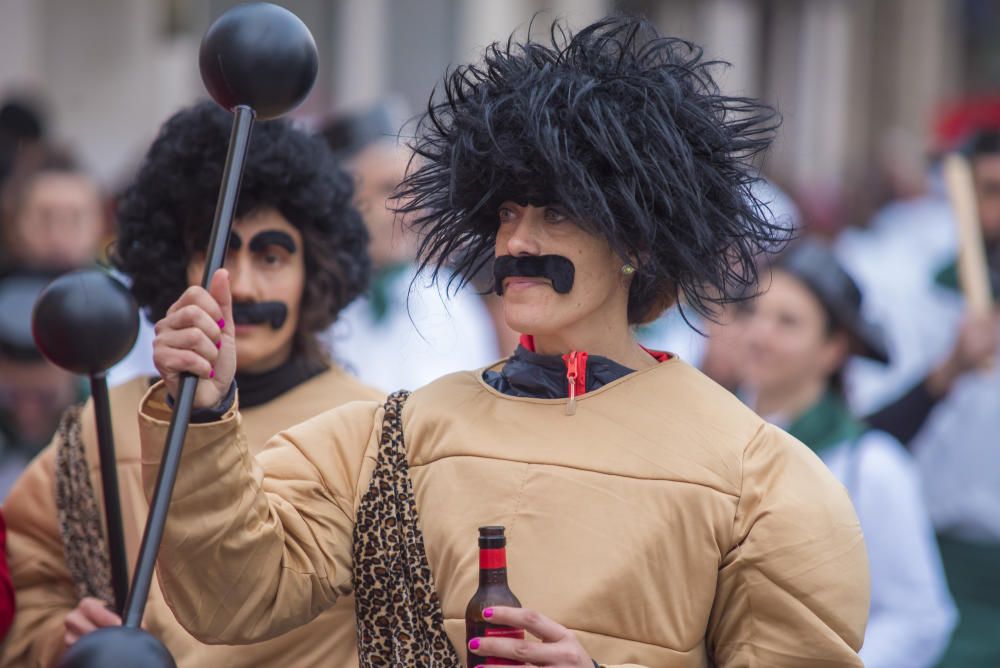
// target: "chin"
[[250, 352], [528, 319], [246, 358]]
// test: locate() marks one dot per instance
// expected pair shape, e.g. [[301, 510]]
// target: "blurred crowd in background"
[[861, 345]]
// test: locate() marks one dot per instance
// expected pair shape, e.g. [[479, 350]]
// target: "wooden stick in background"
[[973, 274]]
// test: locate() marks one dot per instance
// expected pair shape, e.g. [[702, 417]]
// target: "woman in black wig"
[[651, 518]]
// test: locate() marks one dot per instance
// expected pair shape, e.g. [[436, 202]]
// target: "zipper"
[[576, 369]]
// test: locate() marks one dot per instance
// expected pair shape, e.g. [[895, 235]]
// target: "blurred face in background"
[[986, 171], [725, 347], [789, 346], [58, 221], [33, 395], [377, 170]]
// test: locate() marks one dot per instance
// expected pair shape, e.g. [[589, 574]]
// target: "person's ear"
[[835, 351]]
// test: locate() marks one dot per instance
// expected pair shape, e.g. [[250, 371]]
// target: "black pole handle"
[[109, 489], [218, 244]]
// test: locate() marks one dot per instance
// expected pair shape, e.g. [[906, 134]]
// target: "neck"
[[619, 346], [268, 363], [790, 402]]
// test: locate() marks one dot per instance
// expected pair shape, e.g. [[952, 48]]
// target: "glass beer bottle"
[[493, 591]]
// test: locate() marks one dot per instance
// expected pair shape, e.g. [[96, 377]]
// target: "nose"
[[757, 333], [523, 236], [241, 281]]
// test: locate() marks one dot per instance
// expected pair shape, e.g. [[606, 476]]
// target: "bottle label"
[[502, 632], [490, 559]]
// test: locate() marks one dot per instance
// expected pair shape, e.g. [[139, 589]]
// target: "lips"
[[524, 282]]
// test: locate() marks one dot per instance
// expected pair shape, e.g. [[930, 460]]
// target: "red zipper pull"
[[572, 377]]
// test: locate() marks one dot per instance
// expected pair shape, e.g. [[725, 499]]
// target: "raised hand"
[[975, 347], [197, 336]]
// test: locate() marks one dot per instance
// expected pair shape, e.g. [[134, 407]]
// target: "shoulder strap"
[[400, 622], [84, 544]]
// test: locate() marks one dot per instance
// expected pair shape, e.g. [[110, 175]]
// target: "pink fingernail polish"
[[222, 323], [211, 374], [218, 344], [488, 612], [474, 643]]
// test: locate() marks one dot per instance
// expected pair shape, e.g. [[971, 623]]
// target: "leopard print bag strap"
[[400, 622], [84, 544]]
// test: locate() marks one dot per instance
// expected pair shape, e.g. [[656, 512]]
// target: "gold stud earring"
[[628, 269]]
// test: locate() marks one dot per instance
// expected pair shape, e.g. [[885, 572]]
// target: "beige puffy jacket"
[[663, 522], [45, 590]]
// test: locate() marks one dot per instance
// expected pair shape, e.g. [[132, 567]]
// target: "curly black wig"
[[624, 129], [165, 215]]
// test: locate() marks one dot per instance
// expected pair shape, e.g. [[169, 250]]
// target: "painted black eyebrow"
[[235, 241], [266, 238]]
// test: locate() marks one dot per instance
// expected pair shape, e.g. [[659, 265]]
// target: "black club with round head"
[[261, 56], [117, 646], [85, 321], [259, 61]]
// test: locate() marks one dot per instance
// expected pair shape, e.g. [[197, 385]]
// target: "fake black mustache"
[[556, 268], [254, 313]]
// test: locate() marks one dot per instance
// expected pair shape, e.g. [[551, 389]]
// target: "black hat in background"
[[349, 132], [18, 292], [815, 265]]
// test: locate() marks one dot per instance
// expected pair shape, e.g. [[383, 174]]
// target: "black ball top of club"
[[117, 647], [85, 321], [261, 56]]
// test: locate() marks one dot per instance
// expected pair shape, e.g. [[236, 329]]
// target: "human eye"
[[506, 214], [554, 214], [272, 258], [788, 321]]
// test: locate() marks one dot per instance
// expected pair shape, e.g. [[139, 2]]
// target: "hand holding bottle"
[[559, 647]]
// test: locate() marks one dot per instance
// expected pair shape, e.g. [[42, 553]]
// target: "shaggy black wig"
[[624, 129], [165, 215]]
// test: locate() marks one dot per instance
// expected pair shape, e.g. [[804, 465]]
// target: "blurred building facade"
[[857, 81]]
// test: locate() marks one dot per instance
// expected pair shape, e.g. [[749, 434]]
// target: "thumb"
[[219, 289]]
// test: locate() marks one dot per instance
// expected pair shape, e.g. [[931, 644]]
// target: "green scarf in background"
[[826, 424], [380, 293]]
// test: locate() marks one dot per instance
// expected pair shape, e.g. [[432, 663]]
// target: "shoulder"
[[885, 477], [328, 389], [124, 400], [884, 459], [782, 475], [342, 387], [132, 391], [683, 396]]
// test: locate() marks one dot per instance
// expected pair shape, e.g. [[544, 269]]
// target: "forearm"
[[904, 417], [236, 564]]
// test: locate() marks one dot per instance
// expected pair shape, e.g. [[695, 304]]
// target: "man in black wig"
[[651, 518]]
